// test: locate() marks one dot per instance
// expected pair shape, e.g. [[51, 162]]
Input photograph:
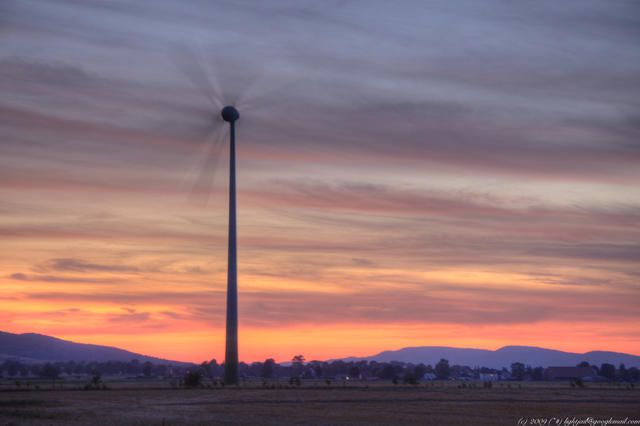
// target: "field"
[[130, 402]]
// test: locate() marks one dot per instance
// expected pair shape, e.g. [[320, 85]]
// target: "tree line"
[[53, 370], [298, 368]]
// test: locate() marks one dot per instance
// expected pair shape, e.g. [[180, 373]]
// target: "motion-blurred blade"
[[196, 71], [255, 96], [203, 177]]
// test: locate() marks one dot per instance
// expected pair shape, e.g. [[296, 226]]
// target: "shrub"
[[96, 379], [192, 379], [295, 381], [410, 380], [95, 383]]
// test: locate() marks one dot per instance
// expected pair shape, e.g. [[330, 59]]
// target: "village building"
[[569, 373]]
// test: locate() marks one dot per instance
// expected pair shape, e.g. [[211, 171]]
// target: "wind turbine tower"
[[231, 115]]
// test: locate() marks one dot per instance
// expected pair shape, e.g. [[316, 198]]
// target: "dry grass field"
[[316, 403]]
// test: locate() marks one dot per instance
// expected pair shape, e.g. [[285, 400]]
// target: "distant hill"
[[502, 357], [36, 348]]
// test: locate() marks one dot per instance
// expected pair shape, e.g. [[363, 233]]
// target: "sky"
[[409, 174]]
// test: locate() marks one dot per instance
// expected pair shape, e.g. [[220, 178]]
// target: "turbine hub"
[[230, 114]]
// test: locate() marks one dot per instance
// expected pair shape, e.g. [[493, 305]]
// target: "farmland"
[[157, 402]]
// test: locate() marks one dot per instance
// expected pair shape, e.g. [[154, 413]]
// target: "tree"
[[517, 370], [608, 371], [35, 369], [442, 370], [146, 369], [69, 367], [298, 364], [584, 364], [387, 372], [319, 371], [12, 370], [354, 372], [216, 370], [298, 359], [96, 380], [528, 371], [133, 367], [268, 368], [192, 378], [336, 368], [206, 369], [537, 373], [623, 373], [50, 371], [420, 371]]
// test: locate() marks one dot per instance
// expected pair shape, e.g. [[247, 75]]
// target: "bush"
[[410, 380], [50, 371], [192, 379], [95, 383], [295, 381], [578, 382]]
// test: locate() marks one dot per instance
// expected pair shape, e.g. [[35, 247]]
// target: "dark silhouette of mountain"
[[36, 348], [502, 357]]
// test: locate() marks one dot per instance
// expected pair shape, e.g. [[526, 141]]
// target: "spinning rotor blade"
[[210, 154], [196, 71], [255, 97]]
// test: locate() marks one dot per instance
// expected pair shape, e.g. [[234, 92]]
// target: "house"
[[489, 377], [569, 373]]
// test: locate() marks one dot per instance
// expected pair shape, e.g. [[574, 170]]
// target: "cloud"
[[106, 230], [432, 303], [19, 276], [130, 318], [63, 279], [525, 110], [173, 315], [80, 265], [129, 298]]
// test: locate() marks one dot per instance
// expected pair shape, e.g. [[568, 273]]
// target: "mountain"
[[502, 357], [36, 348]]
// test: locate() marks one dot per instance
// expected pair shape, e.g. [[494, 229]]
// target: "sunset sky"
[[409, 174]]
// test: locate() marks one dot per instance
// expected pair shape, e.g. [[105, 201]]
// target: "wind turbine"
[[198, 75], [206, 82]]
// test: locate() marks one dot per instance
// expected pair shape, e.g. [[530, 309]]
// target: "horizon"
[[458, 174], [346, 357]]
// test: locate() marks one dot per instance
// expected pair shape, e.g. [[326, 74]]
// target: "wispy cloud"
[[61, 279], [80, 265]]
